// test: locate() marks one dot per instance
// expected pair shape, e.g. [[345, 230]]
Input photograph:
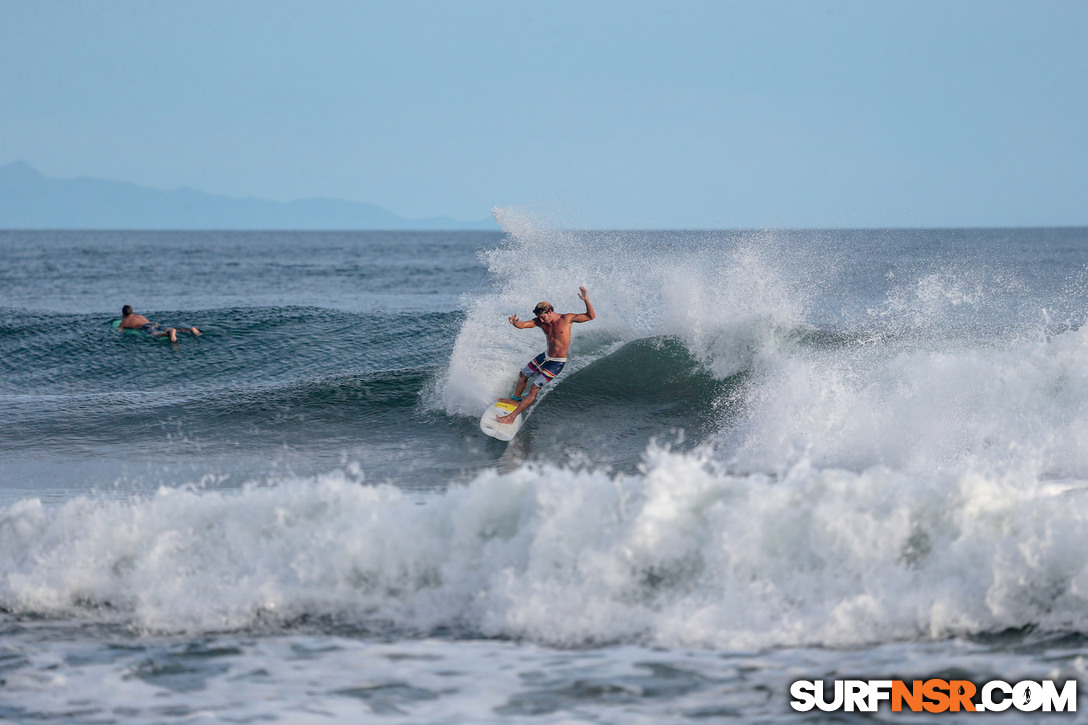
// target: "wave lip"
[[681, 554]]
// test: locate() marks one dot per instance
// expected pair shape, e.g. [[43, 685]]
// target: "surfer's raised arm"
[[589, 313]]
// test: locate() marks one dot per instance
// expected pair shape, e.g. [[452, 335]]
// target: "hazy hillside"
[[29, 200]]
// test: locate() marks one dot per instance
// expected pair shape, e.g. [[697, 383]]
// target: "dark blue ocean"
[[774, 455]]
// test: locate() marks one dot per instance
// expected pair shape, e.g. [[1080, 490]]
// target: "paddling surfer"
[[544, 367], [132, 321]]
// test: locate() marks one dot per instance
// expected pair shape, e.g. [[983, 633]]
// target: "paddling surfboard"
[[495, 429]]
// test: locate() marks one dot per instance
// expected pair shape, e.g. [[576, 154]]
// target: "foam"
[[681, 554]]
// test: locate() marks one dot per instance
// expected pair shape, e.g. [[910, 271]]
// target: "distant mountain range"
[[29, 200]]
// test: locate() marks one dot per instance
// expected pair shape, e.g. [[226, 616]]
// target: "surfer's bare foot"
[[173, 335], [194, 331], [506, 419], [508, 401]]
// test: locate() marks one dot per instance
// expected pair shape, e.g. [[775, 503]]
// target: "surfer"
[[545, 366], [132, 321]]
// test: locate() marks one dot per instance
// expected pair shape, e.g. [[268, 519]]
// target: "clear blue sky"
[[616, 114]]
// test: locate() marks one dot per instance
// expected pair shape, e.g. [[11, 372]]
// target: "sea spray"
[[923, 407], [728, 300]]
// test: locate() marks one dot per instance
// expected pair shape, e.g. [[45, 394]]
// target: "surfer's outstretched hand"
[[513, 320], [582, 294]]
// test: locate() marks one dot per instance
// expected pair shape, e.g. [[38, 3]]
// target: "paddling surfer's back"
[[132, 321]]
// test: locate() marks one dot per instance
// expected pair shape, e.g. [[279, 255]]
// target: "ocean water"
[[773, 456]]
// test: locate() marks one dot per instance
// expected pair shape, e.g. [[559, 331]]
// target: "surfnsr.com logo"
[[934, 695]]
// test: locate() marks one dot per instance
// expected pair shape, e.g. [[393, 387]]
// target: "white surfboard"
[[495, 429]]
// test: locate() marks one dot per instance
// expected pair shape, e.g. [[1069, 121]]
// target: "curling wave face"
[[908, 351]]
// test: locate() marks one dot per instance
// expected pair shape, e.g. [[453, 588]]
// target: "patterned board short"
[[544, 368]]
